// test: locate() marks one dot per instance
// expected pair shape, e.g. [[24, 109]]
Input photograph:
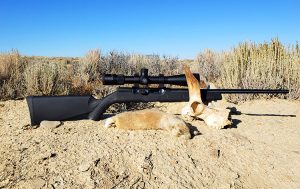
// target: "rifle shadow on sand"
[[235, 122], [234, 111]]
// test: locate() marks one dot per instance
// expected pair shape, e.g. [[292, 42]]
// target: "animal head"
[[216, 118], [213, 117]]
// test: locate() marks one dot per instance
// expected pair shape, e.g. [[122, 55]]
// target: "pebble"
[[50, 124], [84, 166], [57, 182], [37, 183]]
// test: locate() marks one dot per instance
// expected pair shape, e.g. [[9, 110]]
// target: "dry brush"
[[248, 65]]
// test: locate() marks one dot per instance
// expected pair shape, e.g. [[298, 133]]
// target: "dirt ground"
[[261, 150]]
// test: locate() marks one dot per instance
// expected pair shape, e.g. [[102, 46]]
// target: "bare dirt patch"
[[261, 150]]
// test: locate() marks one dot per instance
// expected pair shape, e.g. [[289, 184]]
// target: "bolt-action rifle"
[[62, 108]]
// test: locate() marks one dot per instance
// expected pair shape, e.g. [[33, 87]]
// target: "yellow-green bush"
[[262, 66], [209, 65], [12, 66], [46, 79], [250, 65]]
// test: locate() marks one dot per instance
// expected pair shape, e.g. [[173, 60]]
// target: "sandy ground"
[[261, 150]]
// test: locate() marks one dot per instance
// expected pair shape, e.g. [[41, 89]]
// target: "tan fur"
[[193, 85], [213, 117], [149, 119], [203, 84]]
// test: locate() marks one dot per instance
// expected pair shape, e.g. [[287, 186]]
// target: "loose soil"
[[260, 150]]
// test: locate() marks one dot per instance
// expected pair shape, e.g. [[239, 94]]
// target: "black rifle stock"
[[61, 108]]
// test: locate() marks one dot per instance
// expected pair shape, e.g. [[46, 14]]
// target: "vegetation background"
[[248, 65]]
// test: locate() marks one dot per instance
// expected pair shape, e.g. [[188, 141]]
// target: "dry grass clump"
[[46, 79], [22, 76], [7, 62], [85, 73], [250, 65], [11, 75], [157, 65], [262, 66], [209, 65]]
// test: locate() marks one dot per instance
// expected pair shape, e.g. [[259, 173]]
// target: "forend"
[[144, 79]]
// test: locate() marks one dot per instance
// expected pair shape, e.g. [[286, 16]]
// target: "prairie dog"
[[149, 119], [213, 117]]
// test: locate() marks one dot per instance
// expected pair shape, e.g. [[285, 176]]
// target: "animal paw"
[[219, 125], [110, 122], [181, 133]]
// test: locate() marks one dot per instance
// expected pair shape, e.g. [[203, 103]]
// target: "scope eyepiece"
[[113, 79], [145, 79]]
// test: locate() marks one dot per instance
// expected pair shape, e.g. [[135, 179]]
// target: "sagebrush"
[[248, 65]]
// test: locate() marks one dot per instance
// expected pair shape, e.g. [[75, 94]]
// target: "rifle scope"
[[145, 79]]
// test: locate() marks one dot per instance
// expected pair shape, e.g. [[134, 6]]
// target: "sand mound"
[[260, 151]]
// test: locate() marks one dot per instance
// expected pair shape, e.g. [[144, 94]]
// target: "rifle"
[[62, 108]]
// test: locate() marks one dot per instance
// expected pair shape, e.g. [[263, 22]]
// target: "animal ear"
[[196, 107], [193, 85]]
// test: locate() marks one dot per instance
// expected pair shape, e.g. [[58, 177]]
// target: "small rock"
[[50, 124], [216, 153], [84, 166], [37, 183], [53, 155], [141, 185], [57, 182]]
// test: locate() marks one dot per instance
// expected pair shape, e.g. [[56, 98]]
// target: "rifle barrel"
[[249, 91]]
